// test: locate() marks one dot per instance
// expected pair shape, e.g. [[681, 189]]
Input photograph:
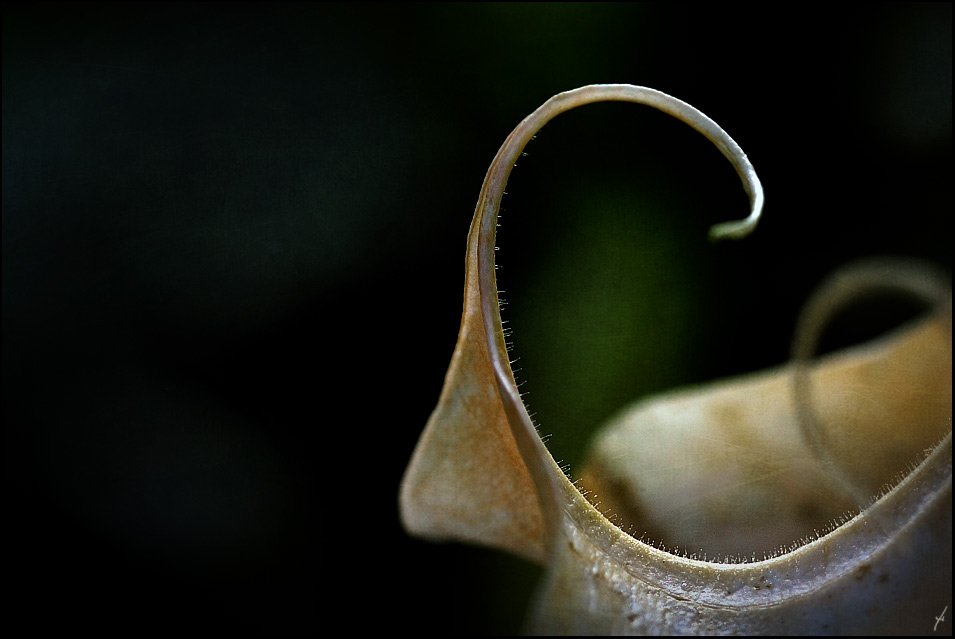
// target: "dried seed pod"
[[482, 474]]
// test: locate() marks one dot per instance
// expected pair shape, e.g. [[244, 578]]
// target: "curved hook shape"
[[845, 287], [504, 490], [485, 220]]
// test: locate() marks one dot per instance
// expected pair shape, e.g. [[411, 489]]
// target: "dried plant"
[[783, 536]]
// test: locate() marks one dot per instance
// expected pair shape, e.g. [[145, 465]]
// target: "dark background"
[[233, 242]]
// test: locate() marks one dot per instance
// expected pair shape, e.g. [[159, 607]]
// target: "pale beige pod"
[[481, 473], [751, 465]]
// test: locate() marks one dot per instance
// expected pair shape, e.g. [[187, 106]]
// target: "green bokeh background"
[[233, 242]]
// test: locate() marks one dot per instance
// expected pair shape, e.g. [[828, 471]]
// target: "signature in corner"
[[940, 618]]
